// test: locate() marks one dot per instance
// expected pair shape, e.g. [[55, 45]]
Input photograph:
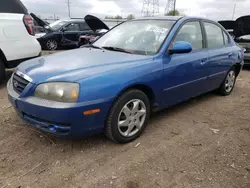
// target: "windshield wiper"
[[117, 49], [92, 46]]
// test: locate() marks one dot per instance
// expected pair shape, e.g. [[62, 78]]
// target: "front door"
[[184, 74]]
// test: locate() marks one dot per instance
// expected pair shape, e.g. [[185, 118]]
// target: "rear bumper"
[[15, 63], [60, 119]]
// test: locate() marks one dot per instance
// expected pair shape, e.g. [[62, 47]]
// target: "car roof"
[[174, 18], [74, 20], [13, 6], [171, 18]]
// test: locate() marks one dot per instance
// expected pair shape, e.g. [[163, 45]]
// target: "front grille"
[[19, 83]]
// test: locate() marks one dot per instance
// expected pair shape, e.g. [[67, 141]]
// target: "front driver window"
[[191, 32]]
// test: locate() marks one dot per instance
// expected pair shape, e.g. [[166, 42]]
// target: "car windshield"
[[143, 37], [57, 25]]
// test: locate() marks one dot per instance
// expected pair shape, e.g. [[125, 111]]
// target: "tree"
[[111, 17], [131, 17], [173, 13], [118, 17]]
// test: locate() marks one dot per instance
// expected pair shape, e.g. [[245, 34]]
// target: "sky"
[[212, 9]]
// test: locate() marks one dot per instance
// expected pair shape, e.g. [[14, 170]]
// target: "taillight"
[[29, 24]]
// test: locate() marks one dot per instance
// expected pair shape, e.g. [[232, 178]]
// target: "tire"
[[51, 45], [2, 71], [137, 116], [228, 84]]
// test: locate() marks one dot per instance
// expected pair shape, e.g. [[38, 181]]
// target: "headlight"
[[58, 91]]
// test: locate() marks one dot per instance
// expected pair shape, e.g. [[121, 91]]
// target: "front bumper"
[[61, 119]]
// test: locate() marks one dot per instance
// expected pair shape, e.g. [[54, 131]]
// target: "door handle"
[[230, 54], [203, 61]]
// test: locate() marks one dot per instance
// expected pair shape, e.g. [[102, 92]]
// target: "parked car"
[[17, 41], [242, 36], [98, 27], [240, 31], [112, 85], [62, 33], [229, 25]]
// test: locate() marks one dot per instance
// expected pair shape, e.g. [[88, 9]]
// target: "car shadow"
[[8, 75], [246, 68], [100, 140]]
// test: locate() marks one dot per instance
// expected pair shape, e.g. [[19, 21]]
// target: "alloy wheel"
[[132, 117], [51, 44], [230, 80]]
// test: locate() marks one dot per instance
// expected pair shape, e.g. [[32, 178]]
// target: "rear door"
[[184, 74], [220, 52]]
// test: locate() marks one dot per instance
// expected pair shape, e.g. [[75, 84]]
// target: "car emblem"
[[15, 83]]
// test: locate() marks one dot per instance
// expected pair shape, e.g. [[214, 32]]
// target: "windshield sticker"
[[158, 30]]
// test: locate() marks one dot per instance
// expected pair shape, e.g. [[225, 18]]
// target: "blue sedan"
[[112, 85]]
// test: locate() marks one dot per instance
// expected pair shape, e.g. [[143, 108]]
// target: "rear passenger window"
[[226, 39], [191, 32], [214, 35]]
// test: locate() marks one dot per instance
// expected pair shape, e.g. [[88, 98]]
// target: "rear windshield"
[[57, 25], [12, 6]]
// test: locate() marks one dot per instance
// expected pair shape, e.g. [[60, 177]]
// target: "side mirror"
[[181, 47]]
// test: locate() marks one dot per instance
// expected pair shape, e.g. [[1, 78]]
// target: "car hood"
[[228, 24], [95, 23], [78, 64], [242, 26]]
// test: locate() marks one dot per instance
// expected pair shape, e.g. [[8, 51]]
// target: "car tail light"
[[29, 24]]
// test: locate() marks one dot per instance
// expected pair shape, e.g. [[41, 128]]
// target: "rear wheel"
[[128, 117], [2, 71], [227, 86]]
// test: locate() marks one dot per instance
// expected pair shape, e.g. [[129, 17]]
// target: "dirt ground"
[[177, 150]]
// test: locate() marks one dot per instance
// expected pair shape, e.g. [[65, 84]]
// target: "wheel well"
[[237, 67], [145, 89]]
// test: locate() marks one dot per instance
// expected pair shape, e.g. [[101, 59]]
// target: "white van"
[[17, 40]]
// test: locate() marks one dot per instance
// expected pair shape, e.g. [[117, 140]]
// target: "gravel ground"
[[204, 142]]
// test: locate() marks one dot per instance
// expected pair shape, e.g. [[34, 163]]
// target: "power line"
[[150, 8]]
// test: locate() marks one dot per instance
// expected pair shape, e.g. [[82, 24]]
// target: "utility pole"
[[174, 7], [68, 3], [171, 6], [234, 11]]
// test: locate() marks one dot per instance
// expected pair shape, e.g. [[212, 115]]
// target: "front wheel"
[[227, 86], [128, 117]]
